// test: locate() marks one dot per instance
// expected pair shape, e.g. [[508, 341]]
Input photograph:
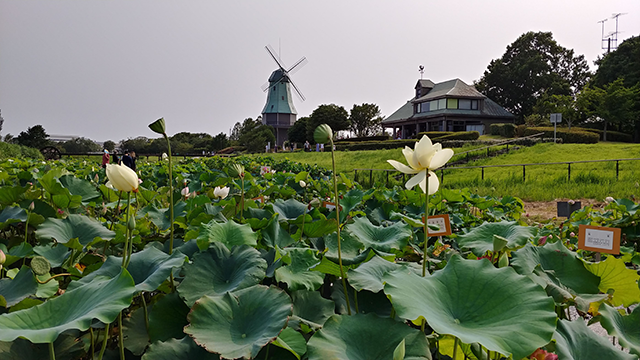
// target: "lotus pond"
[[255, 273]]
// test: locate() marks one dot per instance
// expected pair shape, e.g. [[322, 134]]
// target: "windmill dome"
[[278, 75]]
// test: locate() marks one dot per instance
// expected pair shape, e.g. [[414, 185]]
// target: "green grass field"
[[542, 182]]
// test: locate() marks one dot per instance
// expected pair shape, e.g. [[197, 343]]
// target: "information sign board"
[[442, 221], [599, 239], [556, 118]]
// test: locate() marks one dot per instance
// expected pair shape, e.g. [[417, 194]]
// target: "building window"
[[452, 103], [474, 104], [274, 88], [442, 104], [464, 104], [282, 97]]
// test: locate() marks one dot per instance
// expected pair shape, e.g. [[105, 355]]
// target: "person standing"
[[126, 159], [115, 159], [133, 160], [105, 158]]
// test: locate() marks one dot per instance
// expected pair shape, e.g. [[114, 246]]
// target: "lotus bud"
[[40, 265], [302, 183], [609, 199], [315, 202], [499, 243], [571, 202], [158, 126], [219, 192], [323, 134], [165, 157], [122, 177], [96, 178], [572, 234], [32, 206], [3, 258], [503, 261], [185, 192], [236, 170], [131, 224]]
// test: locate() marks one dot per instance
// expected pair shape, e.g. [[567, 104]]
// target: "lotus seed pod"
[[158, 126], [323, 134], [3, 258], [499, 243], [40, 265]]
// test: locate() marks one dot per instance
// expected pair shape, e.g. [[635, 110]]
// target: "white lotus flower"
[[425, 158], [122, 178], [165, 156], [609, 199], [302, 183], [219, 192], [185, 191]]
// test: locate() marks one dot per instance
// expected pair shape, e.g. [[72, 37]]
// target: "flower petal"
[[424, 152], [419, 178], [402, 167], [434, 183], [440, 158], [409, 155]]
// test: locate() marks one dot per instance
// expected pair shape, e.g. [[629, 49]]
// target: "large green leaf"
[[626, 328], [149, 268], [366, 337], [83, 228], [274, 235], [229, 233], [56, 254], [167, 318], [320, 227], [288, 209], [476, 302], [394, 237], [162, 217], [239, 324], [293, 341], [135, 333], [297, 273], [80, 187], [11, 215], [566, 266], [66, 347], [174, 349], [368, 276], [310, 308], [480, 239], [615, 276], [101, 299], [219, 270], [20, 287], [351, 248], [575, 341]]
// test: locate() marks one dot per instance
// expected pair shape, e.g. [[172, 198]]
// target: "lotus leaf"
[[614, 275], [476, 302], [368, 276], [167, 318], [351, 248], [288, 209], [83, 228], [310, 308], [219, 270], [66, 347], [230, 234], [239, 324], [21, 286], [11, 215], [161, 217], [56, 254], [101, 299], [575, 341], [135, 333], [366, 337], [174, 349], [566, 266], [480, 239], [297, 273], [394, 237], [626, 328], [274, 235], [368, 302], [80, 187], [293, 341]]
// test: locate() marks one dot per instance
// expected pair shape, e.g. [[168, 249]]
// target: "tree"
[[218, 142], [563, 104], [35, 137], [365, 120], [80, 145], [138, 144], [255, 136], [109, 145], [623, 63], [533, 65], [298, 132], [333, 115], [235, 132], [1, 123]]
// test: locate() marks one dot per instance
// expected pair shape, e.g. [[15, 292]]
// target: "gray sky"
[[106, 69]]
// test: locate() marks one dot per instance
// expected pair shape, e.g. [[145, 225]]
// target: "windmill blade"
[[297, 66], [275, 58], [265, 86], [298, 92]]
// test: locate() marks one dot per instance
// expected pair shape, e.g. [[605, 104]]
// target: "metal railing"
[[483, 167]]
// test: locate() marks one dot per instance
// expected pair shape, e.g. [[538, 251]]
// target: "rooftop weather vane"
[[421, 69]]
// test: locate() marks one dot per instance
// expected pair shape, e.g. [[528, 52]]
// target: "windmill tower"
[[279, 110]]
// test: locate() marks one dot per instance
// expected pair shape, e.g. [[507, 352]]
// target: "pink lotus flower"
[[542, 241], [540, 354]]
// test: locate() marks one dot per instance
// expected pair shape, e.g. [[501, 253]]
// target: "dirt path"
[[548, 209]]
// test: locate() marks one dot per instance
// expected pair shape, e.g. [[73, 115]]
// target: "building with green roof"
[[447, 106]]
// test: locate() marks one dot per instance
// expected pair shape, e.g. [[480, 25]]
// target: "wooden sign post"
[[599, 239], [442, 221]]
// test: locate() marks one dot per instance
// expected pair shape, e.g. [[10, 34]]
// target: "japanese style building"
[[447, 106]]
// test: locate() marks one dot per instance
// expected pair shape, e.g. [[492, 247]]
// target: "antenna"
[[612, 37], [421, 70]]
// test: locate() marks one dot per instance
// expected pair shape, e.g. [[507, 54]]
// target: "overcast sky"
[[106, 69]]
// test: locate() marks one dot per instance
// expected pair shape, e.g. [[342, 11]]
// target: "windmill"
[[279, 110]]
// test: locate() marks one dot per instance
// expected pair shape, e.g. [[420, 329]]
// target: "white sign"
[[600, 239], [556, 118]]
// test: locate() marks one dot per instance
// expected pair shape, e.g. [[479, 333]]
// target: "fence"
[[483, 167]]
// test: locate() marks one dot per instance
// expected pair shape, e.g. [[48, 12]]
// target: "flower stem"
[[170, 194], [120, 338], [337, 201], [126, 241], [242, 198], [92, 349], [104, 342], [426, 227], [52, 351], [146, 313], [455, 348]]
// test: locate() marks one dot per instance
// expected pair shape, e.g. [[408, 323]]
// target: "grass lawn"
[[542, 183]]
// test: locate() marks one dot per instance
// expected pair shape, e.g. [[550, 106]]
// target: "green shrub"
[[568, 137], [374, 145], [434, 134], [503, 129], [462, 135], [8, 150], [611, 135], [520, 130]]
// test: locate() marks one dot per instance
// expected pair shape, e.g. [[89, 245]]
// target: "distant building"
[[447, 106]]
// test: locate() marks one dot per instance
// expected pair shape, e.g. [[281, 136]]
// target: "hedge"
[[374, 145], [611, 135], [503, 129], [568, 137], [434, 134], [462, 135], [8, 150]]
